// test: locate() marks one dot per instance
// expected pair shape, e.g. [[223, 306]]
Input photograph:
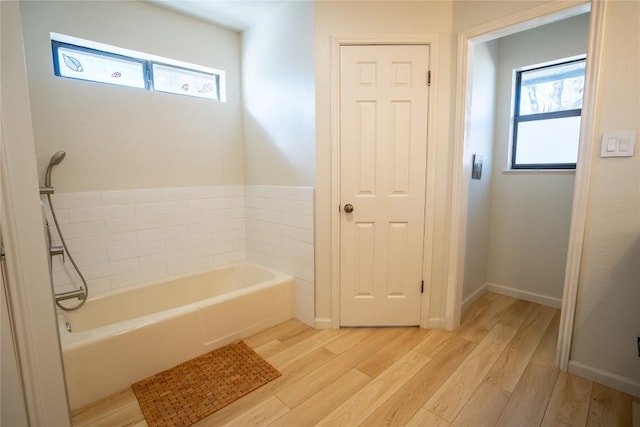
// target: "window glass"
[[556, 88], [99, 67], [184, 82], [552, 141]]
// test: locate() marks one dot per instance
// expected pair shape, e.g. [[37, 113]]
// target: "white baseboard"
[[324, 323], [607, 378], [434, 323], [472, 298], [525, 295]]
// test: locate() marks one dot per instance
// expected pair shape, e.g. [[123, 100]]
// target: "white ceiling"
[[237, 15]]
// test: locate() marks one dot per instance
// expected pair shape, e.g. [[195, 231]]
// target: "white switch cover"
[[618, 144]]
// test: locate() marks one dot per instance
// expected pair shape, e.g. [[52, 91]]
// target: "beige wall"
[[480, 142], [471, 13], [395, 19], [530, 211], [118, 137], [279, 97], [607, 320]]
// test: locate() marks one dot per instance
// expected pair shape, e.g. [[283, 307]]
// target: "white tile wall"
[[126, 237], [279, 223]]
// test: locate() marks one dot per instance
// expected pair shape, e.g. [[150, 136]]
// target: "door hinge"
[[429, 78], [422, 287]]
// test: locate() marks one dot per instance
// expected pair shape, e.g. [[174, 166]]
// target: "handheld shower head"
[[55, 160]]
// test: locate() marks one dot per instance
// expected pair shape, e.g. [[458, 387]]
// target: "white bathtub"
[[121, 338]]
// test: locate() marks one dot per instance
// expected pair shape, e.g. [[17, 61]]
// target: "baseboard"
[[472, 298], [437, 322], [324, 323], [434, 323], [524, 295], [607, 378]]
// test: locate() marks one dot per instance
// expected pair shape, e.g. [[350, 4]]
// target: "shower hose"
[[82, 299]]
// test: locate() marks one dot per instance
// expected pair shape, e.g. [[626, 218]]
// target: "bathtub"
[[120, 338]]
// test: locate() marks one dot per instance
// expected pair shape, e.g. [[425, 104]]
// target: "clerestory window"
[[121, 67]]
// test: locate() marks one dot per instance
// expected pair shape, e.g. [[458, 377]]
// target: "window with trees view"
[[546, 123]]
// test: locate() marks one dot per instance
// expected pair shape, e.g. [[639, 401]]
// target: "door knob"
[[348, 208]]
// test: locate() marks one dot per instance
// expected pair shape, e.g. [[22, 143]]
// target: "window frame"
[[517, 118], [55, 45], [216, 79], [147, 62]]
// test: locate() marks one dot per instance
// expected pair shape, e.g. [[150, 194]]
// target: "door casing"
[[336, 43], [28, 280]]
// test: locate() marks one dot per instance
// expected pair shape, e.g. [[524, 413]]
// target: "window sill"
[[539, 172]]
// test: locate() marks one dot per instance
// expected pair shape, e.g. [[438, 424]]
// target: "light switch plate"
[[618, 144]]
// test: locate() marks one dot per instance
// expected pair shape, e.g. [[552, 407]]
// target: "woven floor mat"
[[182, 395]]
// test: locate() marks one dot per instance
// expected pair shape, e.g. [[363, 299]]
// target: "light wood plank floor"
[[497, 369]]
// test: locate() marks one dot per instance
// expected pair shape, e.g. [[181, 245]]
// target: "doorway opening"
[[481, 41]]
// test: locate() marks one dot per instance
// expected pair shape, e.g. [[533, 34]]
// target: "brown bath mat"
[[182, 395]]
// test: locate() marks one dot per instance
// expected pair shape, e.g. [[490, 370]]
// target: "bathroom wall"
[[121, 238], [278, 96], [607, 321], [530, 210], [153, 184], [280, 235], [471, 13], [480, 142], [122, 138], [124, 238], [279, 145]]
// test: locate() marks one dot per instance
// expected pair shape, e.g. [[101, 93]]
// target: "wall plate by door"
[[618, 144]]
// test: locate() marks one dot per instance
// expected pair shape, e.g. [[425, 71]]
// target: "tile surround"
[[127, 237], [279, 223]]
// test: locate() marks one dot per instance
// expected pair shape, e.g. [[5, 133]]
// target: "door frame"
[[355, 40], [28, 286], [540, 15]]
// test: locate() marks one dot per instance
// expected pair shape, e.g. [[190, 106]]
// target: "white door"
[[383, 149]]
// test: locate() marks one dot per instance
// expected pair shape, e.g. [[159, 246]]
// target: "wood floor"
[[497, 369]]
